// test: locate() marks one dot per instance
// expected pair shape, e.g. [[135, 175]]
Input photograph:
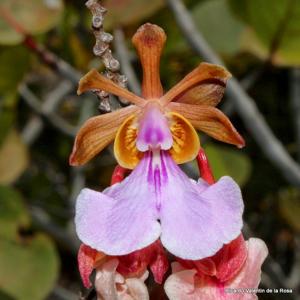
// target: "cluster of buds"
[[157, 209]]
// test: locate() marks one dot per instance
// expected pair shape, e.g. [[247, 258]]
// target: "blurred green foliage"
[[289, 206], [229, 161], [36, 17], [13, 158], [28, 262], [14, 63], [127, 12], [274, 27], [223, 31]]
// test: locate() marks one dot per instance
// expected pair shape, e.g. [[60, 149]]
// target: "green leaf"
[[12, 213], [219, 26], [7, 114], [14, 158], [274, 28], [125, 12], [227, 161], [37, 16], [289, 206], [81, 56], [4, 296], [7, 118], [28, 269], [28, 264], [14, 63]]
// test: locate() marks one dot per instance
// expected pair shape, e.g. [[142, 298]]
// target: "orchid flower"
[[156, 120], [157, 200], [232, 274]]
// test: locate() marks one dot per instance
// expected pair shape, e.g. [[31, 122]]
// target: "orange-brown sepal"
[[204, 85], [211, 121], [96, 133], [95, 81], [149, 41]]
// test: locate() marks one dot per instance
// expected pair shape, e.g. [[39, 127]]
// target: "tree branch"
[[46, 110], [51, 60], [61, 293], [295, 104], [244, 104], [66, 239], [46, 56]]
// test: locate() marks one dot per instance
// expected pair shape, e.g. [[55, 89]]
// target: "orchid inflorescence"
[[132, 224]]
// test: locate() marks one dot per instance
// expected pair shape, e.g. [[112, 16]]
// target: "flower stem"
[[204, 167], [118, 174]]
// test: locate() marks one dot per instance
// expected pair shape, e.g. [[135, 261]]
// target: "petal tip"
[[217, 71], [73, 161], [239, 140], [79, 91], [150, 35], [241, 143], [86, 82], [149, 41]]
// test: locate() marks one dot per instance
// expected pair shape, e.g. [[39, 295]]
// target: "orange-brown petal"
[[208, 93], [95, 81], [186, 142], [204, 85], [210, 120], [125, 149], [96, 133], [149, 41]]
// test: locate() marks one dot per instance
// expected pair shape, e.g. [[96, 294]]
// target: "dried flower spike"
[[102, 49]]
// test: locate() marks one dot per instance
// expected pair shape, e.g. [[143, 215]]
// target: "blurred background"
[[46, 46]]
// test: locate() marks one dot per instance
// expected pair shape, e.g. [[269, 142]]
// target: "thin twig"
[[49, 58], [295, 104], [65, 238], [46, 110], [78, 174], [124, 57], [244, 104], [282, 27], [35, 125], [61, 293], [294, 276], [246, 83]]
